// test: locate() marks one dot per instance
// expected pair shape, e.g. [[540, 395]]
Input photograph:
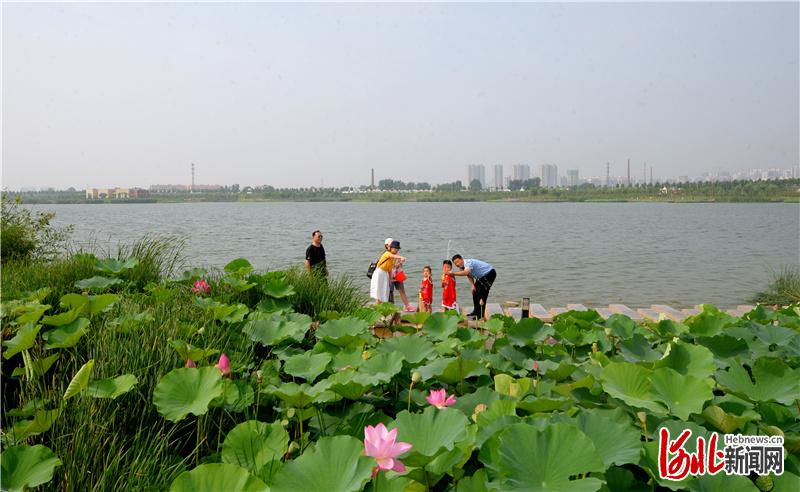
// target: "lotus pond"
[[225, 381]]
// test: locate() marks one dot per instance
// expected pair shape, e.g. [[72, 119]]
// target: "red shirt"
[[448, 290], [426, 290]]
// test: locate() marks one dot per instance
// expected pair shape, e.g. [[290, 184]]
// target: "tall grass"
[[784, 288], [59, 275], [315, 294]]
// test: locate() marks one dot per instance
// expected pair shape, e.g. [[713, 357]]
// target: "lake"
[[591, 253]]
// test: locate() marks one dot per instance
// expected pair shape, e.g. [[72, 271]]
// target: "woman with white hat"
[[381, 281]]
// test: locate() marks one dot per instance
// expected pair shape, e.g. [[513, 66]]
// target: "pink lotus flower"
[[551, 341], [224, 365], [190, 363], [201, 287], [439, 398], [536, 366], [380, 444]]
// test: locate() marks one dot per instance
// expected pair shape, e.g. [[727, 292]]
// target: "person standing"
[[315, 255], [381, 280], [398, 277], [481, 275]]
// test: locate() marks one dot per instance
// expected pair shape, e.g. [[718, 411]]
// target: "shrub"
[[28, 235], [784, 288], [314, 294]]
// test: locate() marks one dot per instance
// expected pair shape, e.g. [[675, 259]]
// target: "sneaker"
[[411, 309]]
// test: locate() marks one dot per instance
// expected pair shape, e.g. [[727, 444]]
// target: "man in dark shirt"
[[315, 255]]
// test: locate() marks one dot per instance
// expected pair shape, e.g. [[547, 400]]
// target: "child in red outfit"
[[448, 287], [426, 291]]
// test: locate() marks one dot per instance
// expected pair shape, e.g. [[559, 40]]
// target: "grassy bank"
[[784, 288]]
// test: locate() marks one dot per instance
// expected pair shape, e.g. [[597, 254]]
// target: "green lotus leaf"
[[130, 322], [723, 483], [683, 395], [631, 384], [41, 422], [431, 432], [187, 390], [239, 266], [350, 384], [30, 313], [710, 322], [414, 349], [334, 463], [25, 467], [193, 274], [307, 365], [380, 368], [343, 332], [724, 346], [278, 288], [515, 388], [23, 340], [638, 348], [615, 437], [527, 332], [621, 326], [534, 404], [301, 395], [688, 359], [368, 314], [774, 381], [237, 395], [217, 477], [114, 266], [97, 283], [724, 421], [417, 318], [112, 387], [440, 326], [773, 335], [64, 318], [253, 444], [278, 329], [668, 328], [272, 305], [66, 336], [188, 351], [649, 461], [80, 381], [237, 284], [38, 367], [539, 460]]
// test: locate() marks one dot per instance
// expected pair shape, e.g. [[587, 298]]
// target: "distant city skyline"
[[311, 95]]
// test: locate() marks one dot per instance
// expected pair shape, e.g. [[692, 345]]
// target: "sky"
[[318, 94]]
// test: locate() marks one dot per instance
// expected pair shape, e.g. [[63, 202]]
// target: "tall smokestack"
[[191, 190], [651, 174], [629, 172], [644, 170], [372, 182]]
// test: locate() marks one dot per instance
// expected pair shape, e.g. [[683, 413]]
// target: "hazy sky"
[[298, 95]]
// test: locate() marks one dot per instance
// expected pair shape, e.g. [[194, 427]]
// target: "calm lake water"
[[592, 253]]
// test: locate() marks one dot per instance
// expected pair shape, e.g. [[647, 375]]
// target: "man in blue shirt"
[[481, 275]]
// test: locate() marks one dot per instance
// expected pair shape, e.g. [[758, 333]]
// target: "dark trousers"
[[481, 293]]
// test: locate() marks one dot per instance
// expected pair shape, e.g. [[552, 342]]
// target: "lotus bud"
[[594, 348], [284, 422], [608, 332], [224, 365], [366, 355], [416, 377], [293, 446], [259, 376], [290, 413], [536, 366], [642, 417], [551, 341], [190, 364]]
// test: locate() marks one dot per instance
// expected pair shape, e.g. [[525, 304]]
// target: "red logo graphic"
[[675, 463]]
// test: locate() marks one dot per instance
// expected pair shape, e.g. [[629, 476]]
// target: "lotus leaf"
[[187, 390], [631, 384], [615, 437], [114, 266], [301, 395], [38, 367], [66, 336], [216, 477], [112, 387], [239, 266], [440, 326], [688, 359], [527, 332], [278, 329], [559, 452], [80, 381], [41, 422], [710, 322], [414, 349], [307, 365], [334, 463], [349, 384], [343, 332], [380, 368], [23, 340], [254, 444], [97, 283], [278, 288], [774, 381], [25, 467], [638, 348], [431, 432], [621, 326]]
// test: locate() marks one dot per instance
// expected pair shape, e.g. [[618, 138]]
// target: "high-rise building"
[[498, 177], [521, 172], [476, 171], [549, 175], [572, 177]]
